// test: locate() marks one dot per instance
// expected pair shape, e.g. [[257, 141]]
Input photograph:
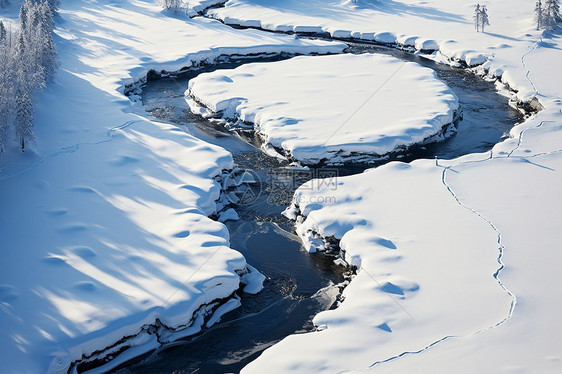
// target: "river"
[[298, 285]]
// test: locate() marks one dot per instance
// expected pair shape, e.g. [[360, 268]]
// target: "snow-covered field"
[[104, 225], [291, 102], [426, 239]]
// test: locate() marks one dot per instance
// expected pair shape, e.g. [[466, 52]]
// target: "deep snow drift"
[[104, 228], [380, 103]]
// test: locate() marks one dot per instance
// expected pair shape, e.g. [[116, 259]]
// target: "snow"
[[104, 224], [361, 104], [426, 239], [195, 7], [529, 342], [457, 260], [440, 25], [228, 215], [253, 280]]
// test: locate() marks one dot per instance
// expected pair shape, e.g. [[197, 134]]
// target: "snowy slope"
[[380, 103], [104, 226]]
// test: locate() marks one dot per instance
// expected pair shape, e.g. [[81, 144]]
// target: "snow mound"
[[332, 108]]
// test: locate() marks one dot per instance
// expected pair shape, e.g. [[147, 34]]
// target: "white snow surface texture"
[[362, 104], [104, 224]]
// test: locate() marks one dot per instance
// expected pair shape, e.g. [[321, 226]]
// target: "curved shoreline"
[[130, 88], [333, 245]]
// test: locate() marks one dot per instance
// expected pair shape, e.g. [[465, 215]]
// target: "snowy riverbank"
[[105, 229], [452, 257], [438, 26]]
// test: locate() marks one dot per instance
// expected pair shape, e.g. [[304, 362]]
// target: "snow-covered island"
[[365, 105], [108, 248]]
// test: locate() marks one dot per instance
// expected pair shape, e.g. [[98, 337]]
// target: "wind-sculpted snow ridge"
[[108, 245], [367, 105]]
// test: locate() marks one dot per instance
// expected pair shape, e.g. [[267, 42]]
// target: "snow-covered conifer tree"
[[551, 14], [24, 83], [173, 5], [484, 21], [477, 17], [3, 32], [47, 16], [481, 17], [539, 15], [5, 85], [23, 15], [44, 44], [24, 119]]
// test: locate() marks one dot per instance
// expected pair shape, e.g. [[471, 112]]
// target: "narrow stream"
[[291, 295]]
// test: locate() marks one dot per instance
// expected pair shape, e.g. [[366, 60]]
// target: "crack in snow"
[[496, 274], [520, 140], [501, 249], [527, 74], [501, 246]]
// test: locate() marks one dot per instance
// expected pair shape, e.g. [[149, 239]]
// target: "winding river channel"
[[299, 284]]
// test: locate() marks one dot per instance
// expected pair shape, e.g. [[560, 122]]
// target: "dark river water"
[[291, 295]]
